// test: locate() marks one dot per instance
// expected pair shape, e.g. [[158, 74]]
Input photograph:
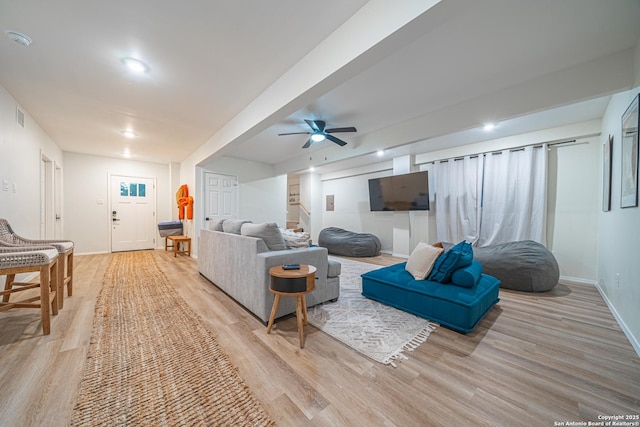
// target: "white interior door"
[[47, 196], [57, 203], [133, 204], [221, 197]]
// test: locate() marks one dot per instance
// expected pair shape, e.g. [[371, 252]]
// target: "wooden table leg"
[[299, 316], [304, 309], [276, 300]]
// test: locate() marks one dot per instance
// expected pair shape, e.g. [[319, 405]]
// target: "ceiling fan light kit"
[[320, 133]]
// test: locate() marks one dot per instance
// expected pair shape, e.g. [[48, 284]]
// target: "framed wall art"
[[629, 148], [606, 174]]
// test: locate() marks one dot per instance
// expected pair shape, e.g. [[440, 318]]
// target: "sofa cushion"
[[468, 276], [422, 259], [268, 231], [334, 268], [217, 226], [457, 257], [233, 225]]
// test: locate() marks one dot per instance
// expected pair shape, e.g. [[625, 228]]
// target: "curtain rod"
[[553, 143]]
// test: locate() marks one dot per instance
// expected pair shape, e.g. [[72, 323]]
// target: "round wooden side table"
[[292, 283]]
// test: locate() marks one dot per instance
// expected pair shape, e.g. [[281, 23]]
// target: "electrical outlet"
[[617, 280], [5, 185]]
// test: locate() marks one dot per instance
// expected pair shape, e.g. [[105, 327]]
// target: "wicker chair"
[[65, 250], [41, 259]]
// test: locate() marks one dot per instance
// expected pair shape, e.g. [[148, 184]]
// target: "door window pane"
[[133, 191], [142, 190], [124, 189]]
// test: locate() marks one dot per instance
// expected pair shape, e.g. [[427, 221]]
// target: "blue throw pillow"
[[457, 257], [467, 277]]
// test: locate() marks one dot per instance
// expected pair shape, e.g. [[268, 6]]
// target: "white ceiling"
[[458, 65]]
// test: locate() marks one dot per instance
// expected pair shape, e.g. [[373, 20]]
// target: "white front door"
[[132, 219], [221, 197]]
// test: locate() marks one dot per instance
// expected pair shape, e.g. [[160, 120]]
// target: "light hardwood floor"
[[534, 360]]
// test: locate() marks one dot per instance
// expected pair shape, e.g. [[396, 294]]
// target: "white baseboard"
[[578, 280], [91, 253], [633, 340]]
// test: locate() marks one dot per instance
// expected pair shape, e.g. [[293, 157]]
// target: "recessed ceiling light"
[[489, 127], [19, 38], [135, 65], [129, 134], [311, 169], [126, 154], [380, 152]]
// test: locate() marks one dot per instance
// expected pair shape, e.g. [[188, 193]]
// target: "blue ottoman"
[[453, 306]]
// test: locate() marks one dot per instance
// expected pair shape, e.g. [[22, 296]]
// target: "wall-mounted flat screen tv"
[[408, 192]]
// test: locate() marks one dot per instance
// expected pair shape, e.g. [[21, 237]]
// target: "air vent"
[[20, 117]]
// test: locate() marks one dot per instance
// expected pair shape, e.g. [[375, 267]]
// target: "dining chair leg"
[[7, 286]]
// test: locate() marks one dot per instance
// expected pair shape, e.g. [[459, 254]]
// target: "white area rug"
[[376, 330]]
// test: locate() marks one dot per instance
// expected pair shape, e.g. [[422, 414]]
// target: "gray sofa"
[[239, 265]]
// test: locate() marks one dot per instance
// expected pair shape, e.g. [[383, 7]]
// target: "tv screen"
[[408, 192]]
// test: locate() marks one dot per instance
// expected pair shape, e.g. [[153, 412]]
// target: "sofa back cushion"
[[217, 225], [269, 232], [234, 225]]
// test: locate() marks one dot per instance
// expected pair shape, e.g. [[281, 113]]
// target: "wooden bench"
[[177, 240]]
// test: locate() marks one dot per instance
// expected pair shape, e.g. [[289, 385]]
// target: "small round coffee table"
[[292, 283]]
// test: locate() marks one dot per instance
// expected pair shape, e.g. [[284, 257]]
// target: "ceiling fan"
[[319, 133]]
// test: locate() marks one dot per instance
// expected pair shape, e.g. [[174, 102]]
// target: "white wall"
[[264, 200], [618, 237], [572, 207], [351, 205], [86, 185], [21, 151]]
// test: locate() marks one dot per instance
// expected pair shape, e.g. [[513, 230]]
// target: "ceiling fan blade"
[[307, 144], [347, 129], [336, 140], [294, 133], [312, 125]]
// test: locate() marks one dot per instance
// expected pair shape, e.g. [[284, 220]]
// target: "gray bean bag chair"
[[348, 243], [523, 266]]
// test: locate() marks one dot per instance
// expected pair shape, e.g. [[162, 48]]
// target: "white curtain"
[[458, 192], [514, 196]]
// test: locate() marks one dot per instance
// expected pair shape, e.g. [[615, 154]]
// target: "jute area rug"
[[153, 362], [378, 331]]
